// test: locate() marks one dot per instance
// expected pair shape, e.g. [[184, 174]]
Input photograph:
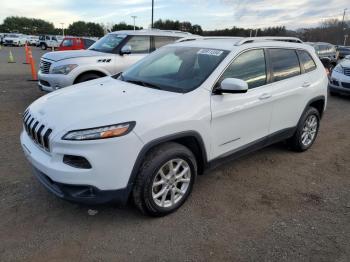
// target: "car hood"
[[345, 63], [61, 55], [95, 103]]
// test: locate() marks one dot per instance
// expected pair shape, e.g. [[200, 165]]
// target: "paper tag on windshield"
[[210, 52]]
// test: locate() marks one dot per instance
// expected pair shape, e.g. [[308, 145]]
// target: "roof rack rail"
[[248, 40], [168, 31]]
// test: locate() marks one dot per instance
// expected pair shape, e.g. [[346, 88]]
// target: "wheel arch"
[[92, 71], [318, 103], [190, 139]]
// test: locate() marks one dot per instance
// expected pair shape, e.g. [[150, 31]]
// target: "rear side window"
[[284, 64], [250, 67], [307, 61], [160, 41], [67, 42]]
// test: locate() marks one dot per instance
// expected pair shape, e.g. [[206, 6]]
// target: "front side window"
[[67, 42], [108, 43], [174, 68], [160, 41], [139, 44], [250, 67], [307, 61], [284, 63]]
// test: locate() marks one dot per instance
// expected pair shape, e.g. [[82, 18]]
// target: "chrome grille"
[[347, 71], [39, 133], [44, 66]]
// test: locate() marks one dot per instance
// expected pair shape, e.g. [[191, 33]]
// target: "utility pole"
[[62, 24], [152, 13], [345, 38], [134, 17], [342, 24]]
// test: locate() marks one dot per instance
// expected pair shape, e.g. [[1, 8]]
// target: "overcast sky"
[[210, 14]]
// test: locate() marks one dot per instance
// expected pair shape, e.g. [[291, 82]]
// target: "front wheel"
[[307, 131], [165, 179], [43, 47]]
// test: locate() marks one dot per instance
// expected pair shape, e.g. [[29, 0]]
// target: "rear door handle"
[[264, 96], [306, 84]]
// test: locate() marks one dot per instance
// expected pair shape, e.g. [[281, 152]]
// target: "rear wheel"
[[86, 77], [307, 131], [165, 179]]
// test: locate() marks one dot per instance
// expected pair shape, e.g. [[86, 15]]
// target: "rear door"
[[287, 88], [239, 120]]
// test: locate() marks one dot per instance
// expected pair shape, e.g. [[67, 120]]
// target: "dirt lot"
[[272, 205]]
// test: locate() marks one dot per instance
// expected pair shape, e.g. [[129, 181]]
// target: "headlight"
[[338, 69], [100, 132], [63, 69]]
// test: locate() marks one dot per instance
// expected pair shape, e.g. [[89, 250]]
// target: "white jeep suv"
[[146, 133], [110, 55]]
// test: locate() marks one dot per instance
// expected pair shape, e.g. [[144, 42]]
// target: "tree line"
[[331, 30]]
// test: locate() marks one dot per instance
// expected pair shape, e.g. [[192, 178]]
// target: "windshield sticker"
[[210, 52]]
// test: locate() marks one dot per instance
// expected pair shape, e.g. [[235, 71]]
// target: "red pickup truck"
[[75, 43]]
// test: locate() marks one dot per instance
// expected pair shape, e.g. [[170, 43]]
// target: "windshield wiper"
[[142, 83]]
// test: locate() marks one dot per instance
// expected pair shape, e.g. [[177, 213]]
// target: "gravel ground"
[[272, 205]]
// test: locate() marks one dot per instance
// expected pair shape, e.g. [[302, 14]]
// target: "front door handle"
[[306, 84], [264, 96]]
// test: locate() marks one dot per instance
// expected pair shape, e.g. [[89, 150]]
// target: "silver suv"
[[110, 55]]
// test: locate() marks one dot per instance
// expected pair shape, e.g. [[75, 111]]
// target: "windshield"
[[107, 43], [13, 36], [176, 69]]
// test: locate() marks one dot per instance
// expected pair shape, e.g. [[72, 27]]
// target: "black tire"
[[295, 142], [154, 161], [332, 93], [86, 77], [43, 46]]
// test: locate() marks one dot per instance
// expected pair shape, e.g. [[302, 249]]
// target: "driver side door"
[[140, 46], [241, 120]]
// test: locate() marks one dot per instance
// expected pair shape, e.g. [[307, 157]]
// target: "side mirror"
[[126, 50], [232, 86]]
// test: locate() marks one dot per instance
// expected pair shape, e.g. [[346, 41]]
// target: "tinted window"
[[307, 61], [139, 44], [284, 63], [250, 67], [160, 41], [67, 42]]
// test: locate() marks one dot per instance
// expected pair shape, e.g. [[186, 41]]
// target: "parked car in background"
[[14, 40], [340, 78], [146, 133], [33, 40], [343, 51], [108, 56], [327, 54], [75, 43], [49, 41], [2, 36]]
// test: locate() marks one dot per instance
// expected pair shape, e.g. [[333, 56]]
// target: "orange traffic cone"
[[32, 65], [26, 48]]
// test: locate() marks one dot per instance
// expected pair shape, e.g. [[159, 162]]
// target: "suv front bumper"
[[52, 82], [108, 179], [82, 193]]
